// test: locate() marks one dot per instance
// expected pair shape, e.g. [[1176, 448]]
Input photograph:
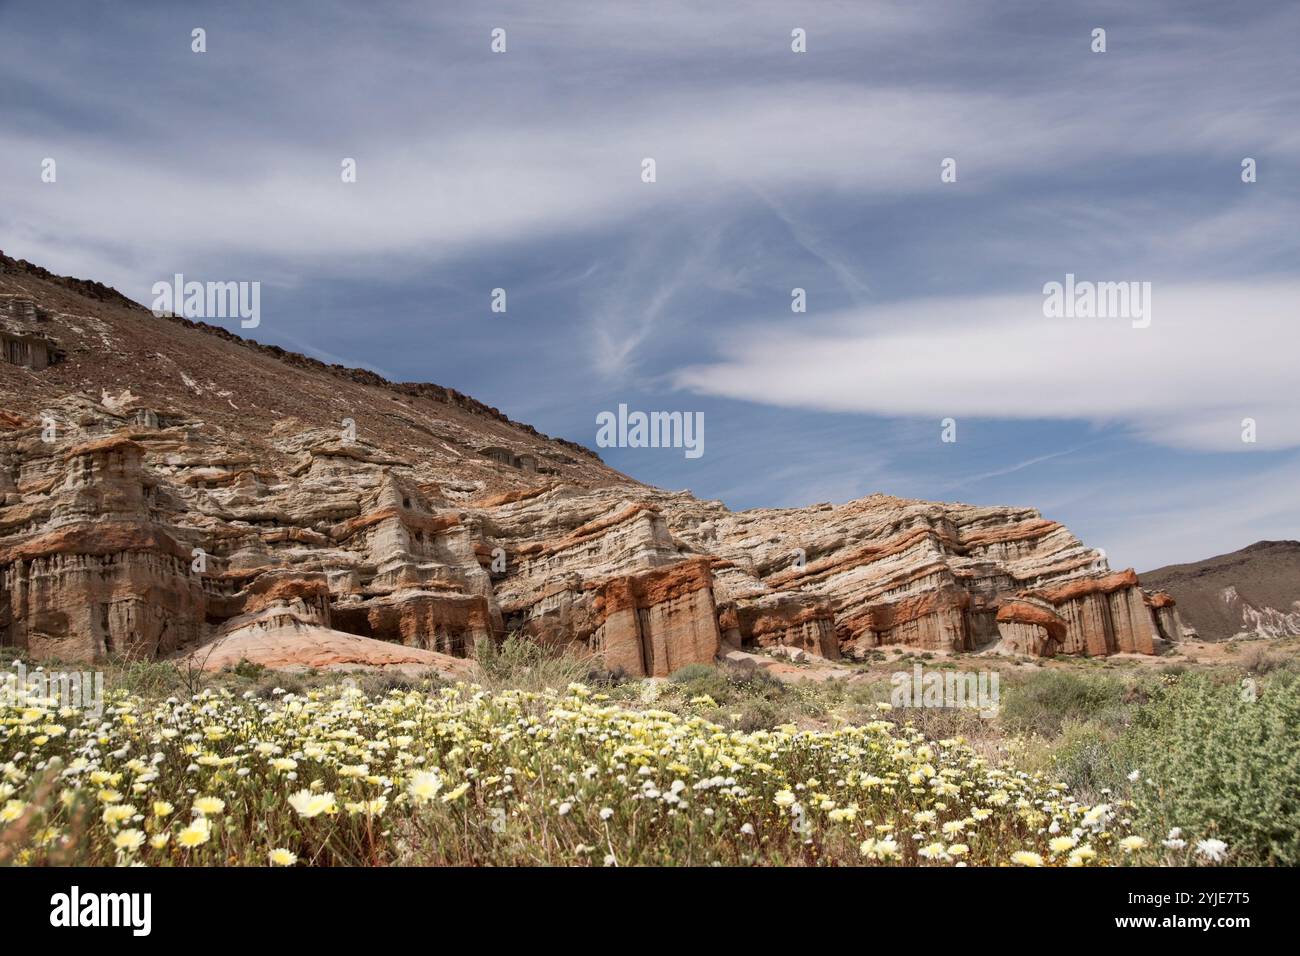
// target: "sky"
[[775, 170]]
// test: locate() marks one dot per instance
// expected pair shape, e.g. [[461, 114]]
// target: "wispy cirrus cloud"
[[776, 171], [501, 162]]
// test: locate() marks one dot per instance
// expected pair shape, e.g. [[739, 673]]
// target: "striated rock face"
[[1030, 626], [782, 619], [167, 488], [1169, 624], [1103, 615], [23, 340], [658, 621]]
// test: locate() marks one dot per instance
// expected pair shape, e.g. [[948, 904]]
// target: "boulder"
[[303, 647], [1031, 627]]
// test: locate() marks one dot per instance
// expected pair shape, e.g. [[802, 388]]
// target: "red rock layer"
[[656, 622]]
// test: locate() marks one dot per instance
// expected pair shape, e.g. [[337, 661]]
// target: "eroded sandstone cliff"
[[168, 488]]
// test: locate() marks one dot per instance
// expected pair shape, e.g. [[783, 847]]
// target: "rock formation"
[[22, 339], [168, 488]]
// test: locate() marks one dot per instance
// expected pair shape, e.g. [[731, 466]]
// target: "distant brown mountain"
[[1252, 591]]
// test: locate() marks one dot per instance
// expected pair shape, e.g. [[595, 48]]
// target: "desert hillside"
[[168, 486], [1253, 592]]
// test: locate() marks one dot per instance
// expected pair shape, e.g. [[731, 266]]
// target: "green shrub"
[[693, 672], [380, 683], [940, 723], [1222, 765], [149, 679], [750, 698], [246, 669], [729, 684], [1261, 660], [1042, 703], [518, 662], [758, 715], [1090, 757], [288, 683]]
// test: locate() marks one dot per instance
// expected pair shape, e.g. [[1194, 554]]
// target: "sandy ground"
[[1206, 654]]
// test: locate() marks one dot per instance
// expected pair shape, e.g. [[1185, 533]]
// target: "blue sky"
[[775, 170]]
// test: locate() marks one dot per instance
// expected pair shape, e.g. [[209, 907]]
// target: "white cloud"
[[441, 190], [235, 160], [1213, 355]]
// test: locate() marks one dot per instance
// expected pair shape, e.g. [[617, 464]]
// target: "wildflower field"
[[333, 775], [463, 775]]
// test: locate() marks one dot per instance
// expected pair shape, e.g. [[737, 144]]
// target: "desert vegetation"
[[542, 762]]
